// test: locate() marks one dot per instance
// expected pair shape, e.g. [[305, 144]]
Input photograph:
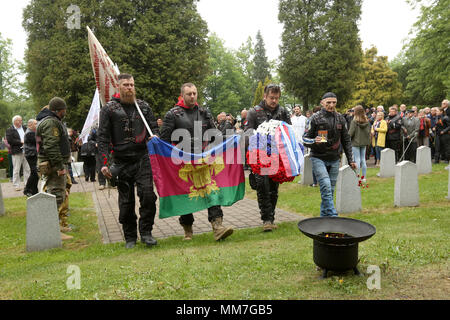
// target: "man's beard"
[[127, 97]]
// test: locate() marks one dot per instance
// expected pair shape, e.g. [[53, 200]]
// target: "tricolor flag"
[[275, 152], [187, 183]]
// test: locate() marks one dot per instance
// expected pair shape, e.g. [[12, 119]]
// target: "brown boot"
[[65, 236], [220, 232], [65, 229], [188, 233], [267, 226]]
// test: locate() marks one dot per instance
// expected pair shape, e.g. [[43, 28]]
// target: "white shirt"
[[299, 125], [21, 133]]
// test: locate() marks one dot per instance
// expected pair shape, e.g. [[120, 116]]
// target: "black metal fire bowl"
[[336, 253]]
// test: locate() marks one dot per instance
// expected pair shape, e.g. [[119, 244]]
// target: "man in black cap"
[[326, 132], [53, 149], [410, 127], [122, 126]]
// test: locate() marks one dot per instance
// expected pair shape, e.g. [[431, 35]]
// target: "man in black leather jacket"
[[393, 136], [122, 126], [194, 121], [31, 187], [325, 134], [266, 188]]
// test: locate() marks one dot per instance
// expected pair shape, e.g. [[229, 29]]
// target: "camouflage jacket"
[[52, 142]]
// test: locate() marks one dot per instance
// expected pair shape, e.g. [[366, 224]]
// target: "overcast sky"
[[384, 23]]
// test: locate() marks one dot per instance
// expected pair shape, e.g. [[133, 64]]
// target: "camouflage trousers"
[[59, 186]]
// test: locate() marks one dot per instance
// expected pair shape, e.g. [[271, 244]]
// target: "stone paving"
[[243, 214]]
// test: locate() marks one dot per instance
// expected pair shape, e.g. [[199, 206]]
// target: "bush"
[[4, 164]]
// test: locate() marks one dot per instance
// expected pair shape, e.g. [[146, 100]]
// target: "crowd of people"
[[117, 149], [404, 130]]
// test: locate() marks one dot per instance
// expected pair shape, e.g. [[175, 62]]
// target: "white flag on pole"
[[92, 118], [105, 71]]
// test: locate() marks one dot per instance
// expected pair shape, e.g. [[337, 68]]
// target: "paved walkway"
[[243, 214]]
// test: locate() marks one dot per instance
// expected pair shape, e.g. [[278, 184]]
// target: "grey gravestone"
[[3, 174], [406, 192], [42, 223], [348, 193], [2, 205], [423, 160], [307, 177], [387, 163]]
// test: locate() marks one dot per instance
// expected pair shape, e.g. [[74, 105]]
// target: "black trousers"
[[89, 167], [410, 152], [32, 182], [98, 166], [443, 150], [137, 173], [267, 192], [395, 145], [213, 213]]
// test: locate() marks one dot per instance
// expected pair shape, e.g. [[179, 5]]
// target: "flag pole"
[[143, 119]]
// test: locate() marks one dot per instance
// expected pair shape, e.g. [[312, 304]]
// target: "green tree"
[[225, 86], [320, 49], [5, 117], [427, 54], [378, 84], [8, 72], [259, 92], [260, 62], [344, 55], [244, 56], [163, 43]]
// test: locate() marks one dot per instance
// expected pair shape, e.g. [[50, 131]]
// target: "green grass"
[[411, 248]]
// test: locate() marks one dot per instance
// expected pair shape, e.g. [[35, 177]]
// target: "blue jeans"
[[359, 155], [326, 173], [378, 153]]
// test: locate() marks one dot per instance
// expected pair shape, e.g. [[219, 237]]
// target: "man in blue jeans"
[[326, 132]]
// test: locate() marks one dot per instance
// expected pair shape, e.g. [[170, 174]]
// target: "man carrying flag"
[[122, 126], [183, 116], [266, 189]]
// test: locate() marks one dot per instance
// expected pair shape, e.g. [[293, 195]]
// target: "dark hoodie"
[[44, 113], [359, 133]]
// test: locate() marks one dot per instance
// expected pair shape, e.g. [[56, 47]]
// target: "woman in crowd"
[[360, 134], [379, 129]]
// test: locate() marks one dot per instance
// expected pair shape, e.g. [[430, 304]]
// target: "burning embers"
[[335, 235]]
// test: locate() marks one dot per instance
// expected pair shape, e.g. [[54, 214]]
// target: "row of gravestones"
[[42, 231], [406, 192]]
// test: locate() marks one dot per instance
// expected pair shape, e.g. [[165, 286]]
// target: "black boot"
[[149, 240], [130, 244]]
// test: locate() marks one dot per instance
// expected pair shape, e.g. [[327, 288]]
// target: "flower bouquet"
[[274, 151]]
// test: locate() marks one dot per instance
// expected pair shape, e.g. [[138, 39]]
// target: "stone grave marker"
[[406, 190], [42, 223], [423, 160], [307, 177], [3, 174], [387, 163], [348, 193]]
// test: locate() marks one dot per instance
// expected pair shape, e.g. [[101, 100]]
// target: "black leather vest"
[[127, 125]]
